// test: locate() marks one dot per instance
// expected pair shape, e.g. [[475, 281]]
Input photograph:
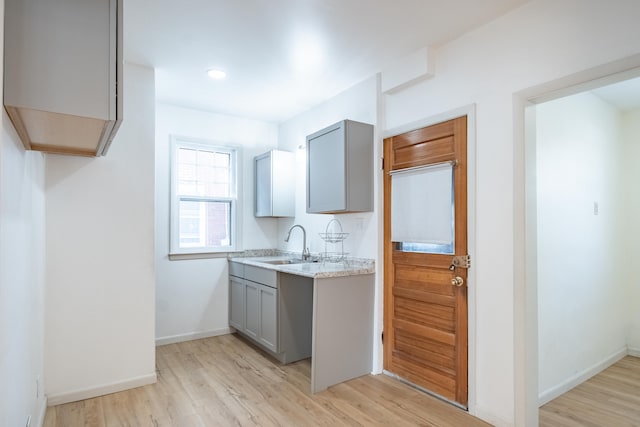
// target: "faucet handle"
[[306, 254]]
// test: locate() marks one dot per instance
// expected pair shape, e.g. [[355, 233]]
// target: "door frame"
[[469, 111], [525, 220]]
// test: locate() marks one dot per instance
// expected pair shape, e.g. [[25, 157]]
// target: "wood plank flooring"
[[611, 398], [223, 381]]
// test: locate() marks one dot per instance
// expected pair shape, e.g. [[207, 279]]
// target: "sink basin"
[[284, 261], [288, 261]]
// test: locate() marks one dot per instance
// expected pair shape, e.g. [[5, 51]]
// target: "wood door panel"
[[419, 136], [425, 319], [435, 151], [434, 347], [425, 315], [439, 383], [436, 364], [433, 281], [420, 295], [425, 331], [431, 315], [419, 260], [418, 351], [427, 145]]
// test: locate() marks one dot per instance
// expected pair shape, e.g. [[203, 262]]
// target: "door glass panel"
[[422, 209]]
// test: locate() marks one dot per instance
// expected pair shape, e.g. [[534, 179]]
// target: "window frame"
[[178, 142]]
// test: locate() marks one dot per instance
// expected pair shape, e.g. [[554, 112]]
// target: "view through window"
[[204, 198]]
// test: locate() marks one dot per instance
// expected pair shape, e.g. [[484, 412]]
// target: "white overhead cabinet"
[[340, 168], [274, 184], [63, 73]]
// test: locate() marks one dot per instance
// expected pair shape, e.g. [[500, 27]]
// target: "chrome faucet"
[[305, 251]]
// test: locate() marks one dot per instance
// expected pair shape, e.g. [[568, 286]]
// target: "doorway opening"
[[581, 206]]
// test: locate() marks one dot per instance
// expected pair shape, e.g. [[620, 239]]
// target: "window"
[[203, 197]]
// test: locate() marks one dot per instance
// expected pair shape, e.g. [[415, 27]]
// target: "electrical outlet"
[[28, 424], [37, 386]]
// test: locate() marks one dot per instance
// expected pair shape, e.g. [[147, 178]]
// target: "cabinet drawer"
[[236, 269], [261, 275]]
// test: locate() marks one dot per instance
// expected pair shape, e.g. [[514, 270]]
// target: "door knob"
[[457, 281]]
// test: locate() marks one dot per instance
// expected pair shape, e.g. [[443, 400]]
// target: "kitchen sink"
[[287, 261], [284, 261]]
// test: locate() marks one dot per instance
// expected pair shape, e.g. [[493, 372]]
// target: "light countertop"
[[316, 270]]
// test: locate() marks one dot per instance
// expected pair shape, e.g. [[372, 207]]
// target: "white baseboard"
[[556, 391], [634, 351], [88, 393], [191, 336], [42, 412], [491, 418]]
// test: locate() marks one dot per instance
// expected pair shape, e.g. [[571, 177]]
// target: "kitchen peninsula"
[[296, 309]]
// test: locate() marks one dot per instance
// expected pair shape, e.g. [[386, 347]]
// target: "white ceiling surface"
[[625, 96], [284, 56]]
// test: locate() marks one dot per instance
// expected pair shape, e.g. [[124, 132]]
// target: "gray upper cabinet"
[[63, 73], [340, 168], [274, 184]]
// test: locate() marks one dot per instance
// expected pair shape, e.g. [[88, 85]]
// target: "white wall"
[[22, 263], [192, 295], [582, 287], [540, 42], [100, 265], [631, 223], [357, 103], [21, 280]]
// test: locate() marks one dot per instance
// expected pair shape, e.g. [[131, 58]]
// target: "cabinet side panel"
[[295, 312], [263, 186], [284, 189], [343, 330], [236, 303], [359, 166]]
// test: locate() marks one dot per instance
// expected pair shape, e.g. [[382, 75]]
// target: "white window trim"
[[175, 252]]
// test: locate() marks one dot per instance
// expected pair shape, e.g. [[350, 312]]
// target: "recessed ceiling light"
[[216, 74], [308, 52]]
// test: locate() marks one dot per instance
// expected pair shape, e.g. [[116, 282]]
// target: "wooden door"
[[425, 302]]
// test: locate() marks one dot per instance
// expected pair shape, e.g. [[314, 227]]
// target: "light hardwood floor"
[[223, 381], [611, 398]]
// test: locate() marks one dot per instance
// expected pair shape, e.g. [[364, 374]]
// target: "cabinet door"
[[269, 318], [236, 303], [264, 193], [252, 309], [326, 178]]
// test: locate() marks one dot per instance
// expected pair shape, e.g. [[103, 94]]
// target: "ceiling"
[[284, 56]]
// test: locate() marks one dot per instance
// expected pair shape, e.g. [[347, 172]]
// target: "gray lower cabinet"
[[268, 302], [272, 309], [251, 314], [236, 302]]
